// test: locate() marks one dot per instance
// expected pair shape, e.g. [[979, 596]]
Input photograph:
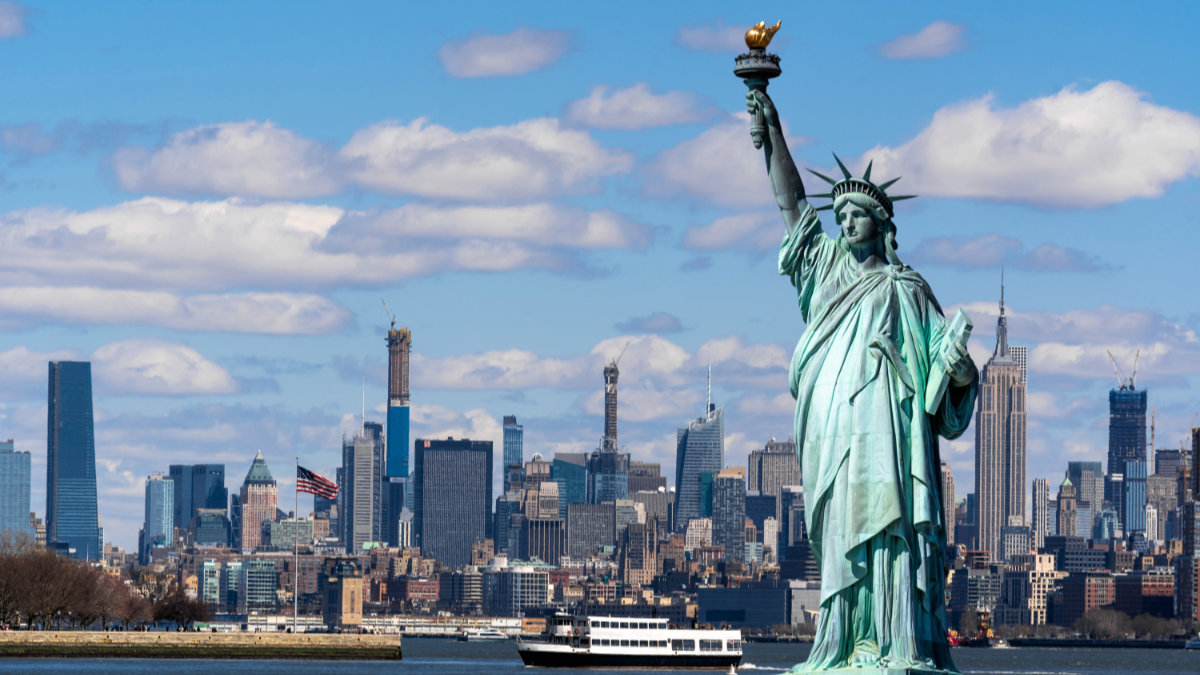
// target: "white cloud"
[[1070, 149], [437, 422], [501, 369], [758, 231], [25, 371], [12, 19], [527, 160], [541, 224], [271, 313], [1076, 343], [719, 166], [209, 246], [157, 367], [938, 39], [234, 158], [997, 250], [715, 37], [635, 107], [522, 51], [645, 402]]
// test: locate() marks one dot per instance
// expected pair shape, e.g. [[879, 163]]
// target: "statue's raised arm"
[[785, 178]]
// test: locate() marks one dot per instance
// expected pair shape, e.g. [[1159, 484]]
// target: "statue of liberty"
[[878, 374]]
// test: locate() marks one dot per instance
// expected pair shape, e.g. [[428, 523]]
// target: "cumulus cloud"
[[636, 107], [233, 158], [1076, 343], [524, 50], [12, 19], [719, 166], [527, 160], [655, 322], [997, 250], [649, 363], [541, 224], [1074, 148], [157, 367], [714, 37], [271, 313], [219, 246], [125, 367], [758, 231], [938, 39]]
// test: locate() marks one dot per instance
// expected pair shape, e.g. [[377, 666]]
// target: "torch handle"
[[758, 127]]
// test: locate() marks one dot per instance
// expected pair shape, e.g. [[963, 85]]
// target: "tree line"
[[40, 589]]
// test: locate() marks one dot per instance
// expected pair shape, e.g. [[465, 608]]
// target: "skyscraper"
[[1041, 511], [71, 513], [159, 526], [14, 490], [360, 513], [514, 453], [1088, 479], [611, 373], [729, 512], [1066, 508], [699, 449], [1126, 443], [197, 486], [399, 342], [1000, 440], [948, 503], [257, 501], [453, 497]]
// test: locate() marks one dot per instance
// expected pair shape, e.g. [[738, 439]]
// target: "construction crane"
[[1121, 381], [618, 359], [392, 317]]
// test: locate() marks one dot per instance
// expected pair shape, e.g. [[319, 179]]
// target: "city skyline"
[[229, 298]]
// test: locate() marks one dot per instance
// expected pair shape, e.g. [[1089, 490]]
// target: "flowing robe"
[[869, 453]]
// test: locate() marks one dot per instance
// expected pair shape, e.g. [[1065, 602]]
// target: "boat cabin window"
[[710, 645], [683, 645]]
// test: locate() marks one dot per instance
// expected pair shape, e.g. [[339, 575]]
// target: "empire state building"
[[1000, 439]]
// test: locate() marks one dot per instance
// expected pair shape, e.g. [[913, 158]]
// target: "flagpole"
[[296, 552]]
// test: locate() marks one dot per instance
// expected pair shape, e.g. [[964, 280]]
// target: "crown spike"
[[824, 195], [845, 172], [823, 177], [884, 186], [867, 173], [902, 197], [824, 208]]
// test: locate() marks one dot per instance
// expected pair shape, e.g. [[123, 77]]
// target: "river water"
[[430, 656]]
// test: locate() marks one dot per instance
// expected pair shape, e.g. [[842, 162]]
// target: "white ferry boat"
[[481, 634], [623, 642]]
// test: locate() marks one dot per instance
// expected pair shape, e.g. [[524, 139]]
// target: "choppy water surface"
[[448, 657]]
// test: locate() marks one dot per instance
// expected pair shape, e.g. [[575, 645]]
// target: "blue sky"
[[207, 200]]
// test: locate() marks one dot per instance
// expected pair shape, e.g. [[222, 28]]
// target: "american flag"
[[313, 484]]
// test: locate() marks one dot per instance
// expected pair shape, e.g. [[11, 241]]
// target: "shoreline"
[[196, 645]]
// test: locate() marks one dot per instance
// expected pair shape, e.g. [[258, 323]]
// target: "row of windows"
[[604, 642], [629, 624]]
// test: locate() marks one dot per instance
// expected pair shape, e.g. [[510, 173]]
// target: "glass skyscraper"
[[197, 486], [71, 513], [14, 490], [159, 526], [699, 449], [453, 496], [514, 442]]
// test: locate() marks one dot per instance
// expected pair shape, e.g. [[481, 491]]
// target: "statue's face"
[[858, 225]]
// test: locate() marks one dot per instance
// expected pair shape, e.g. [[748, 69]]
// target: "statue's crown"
[[851, 185]]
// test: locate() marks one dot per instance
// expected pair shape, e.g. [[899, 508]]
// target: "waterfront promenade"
[[134, 644]]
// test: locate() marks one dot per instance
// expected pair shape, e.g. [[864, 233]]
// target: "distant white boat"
[[481, 635], [1194, 643]]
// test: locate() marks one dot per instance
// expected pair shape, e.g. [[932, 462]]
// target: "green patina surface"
[[878, 375]]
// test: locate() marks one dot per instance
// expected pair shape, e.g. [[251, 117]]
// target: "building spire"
[[708, 391], [1001, 324]]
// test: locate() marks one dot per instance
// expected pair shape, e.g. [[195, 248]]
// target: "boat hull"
[[582, 659]]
